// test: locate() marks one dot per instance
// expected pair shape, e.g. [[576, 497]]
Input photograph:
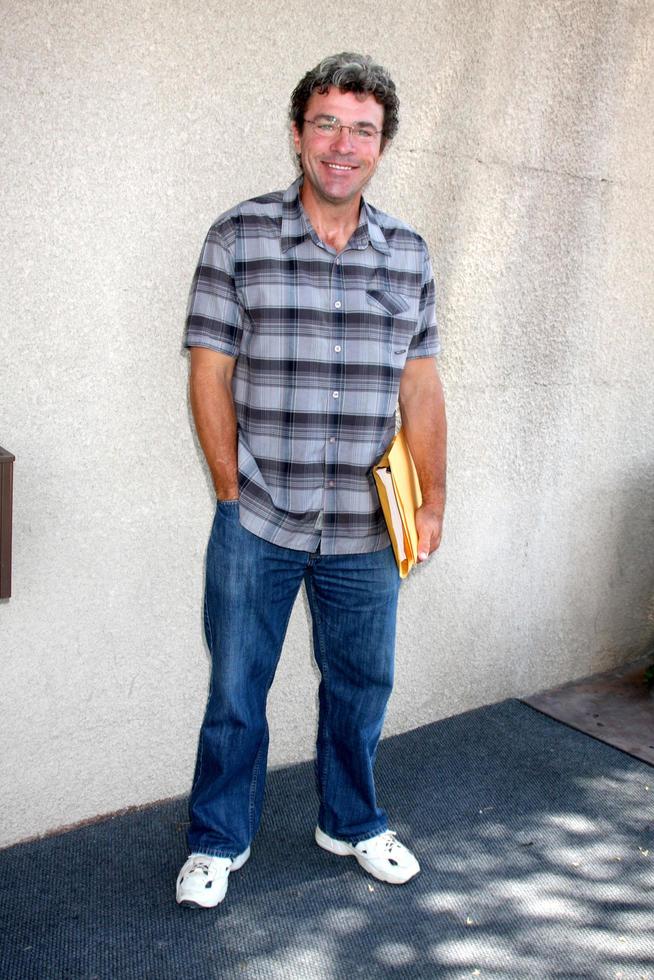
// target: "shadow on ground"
[[537, 852]]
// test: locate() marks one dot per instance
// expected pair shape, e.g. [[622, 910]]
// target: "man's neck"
[[333, 223]]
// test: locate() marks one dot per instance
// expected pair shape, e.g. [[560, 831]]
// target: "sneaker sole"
[[342, 849], [189, 903]]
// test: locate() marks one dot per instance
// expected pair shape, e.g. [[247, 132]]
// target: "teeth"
[[335, 166]]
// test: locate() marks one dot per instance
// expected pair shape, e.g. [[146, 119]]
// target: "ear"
[[296, 137]]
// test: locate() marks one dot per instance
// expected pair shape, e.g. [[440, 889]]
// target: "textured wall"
[[525, 157]]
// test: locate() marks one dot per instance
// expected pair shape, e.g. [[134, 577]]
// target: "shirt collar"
[[296, 226]]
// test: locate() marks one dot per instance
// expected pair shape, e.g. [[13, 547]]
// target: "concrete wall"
[[525, 156]]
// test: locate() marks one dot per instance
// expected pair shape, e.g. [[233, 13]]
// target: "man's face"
[[337, 166]]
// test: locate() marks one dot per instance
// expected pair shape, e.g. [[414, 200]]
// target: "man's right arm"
[[215, 417]]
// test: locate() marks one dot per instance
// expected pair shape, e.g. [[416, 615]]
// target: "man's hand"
[[429, 524]]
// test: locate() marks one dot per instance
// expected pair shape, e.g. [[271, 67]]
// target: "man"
[[310, 313]]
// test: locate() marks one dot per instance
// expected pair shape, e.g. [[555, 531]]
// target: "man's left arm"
[[422, 406]]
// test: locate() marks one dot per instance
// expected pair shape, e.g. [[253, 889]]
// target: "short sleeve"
[[425, 341], [214, 317]]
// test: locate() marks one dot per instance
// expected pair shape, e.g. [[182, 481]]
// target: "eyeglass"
[[333, 127]]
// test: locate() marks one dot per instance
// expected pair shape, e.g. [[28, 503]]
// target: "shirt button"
[[331, 483], [334, 394], [337, 304], [332, 439], [338, 348]]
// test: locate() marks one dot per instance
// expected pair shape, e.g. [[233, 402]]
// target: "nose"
[[343, 142]]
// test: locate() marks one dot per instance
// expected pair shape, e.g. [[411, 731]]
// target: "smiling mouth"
[[343, 167]]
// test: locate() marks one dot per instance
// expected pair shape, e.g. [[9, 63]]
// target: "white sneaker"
[[202, 882], [382, 856]]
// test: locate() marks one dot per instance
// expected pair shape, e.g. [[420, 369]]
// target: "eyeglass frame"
[[338, 125]]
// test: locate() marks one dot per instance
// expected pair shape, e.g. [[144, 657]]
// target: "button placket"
[[337, 376]]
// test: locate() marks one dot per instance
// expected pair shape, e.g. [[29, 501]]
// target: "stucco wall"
[[525, 156]]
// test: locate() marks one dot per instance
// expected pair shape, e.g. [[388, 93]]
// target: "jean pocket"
[[228, 506]]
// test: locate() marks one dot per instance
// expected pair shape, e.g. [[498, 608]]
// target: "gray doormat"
[[537, 852]]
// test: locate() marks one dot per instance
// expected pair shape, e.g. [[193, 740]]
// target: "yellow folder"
[[399, 494]]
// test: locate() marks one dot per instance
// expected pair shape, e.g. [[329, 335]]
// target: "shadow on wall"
[[629, 572]]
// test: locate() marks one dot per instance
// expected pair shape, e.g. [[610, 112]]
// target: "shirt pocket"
[[390, 319], [393, 303], [389, 327]]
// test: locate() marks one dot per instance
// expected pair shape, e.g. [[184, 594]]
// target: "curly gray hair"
[[350, 73]]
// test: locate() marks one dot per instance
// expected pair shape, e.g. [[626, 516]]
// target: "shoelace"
[[387, 842], [202, 865], [199, 864]]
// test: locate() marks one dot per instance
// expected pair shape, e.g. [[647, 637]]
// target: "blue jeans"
[[251, 586]]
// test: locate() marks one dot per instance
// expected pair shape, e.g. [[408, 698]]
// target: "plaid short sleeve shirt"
[[320, 341]]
